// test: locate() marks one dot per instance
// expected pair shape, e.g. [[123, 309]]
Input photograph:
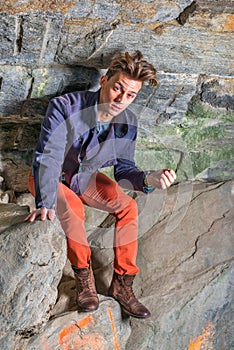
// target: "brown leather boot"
[[121, 290], [87, 299]]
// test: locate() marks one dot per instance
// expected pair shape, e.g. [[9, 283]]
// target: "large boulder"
[[104, 329], [186, 259], [186, 121], [11, 214], [187, 269], [32, 257]]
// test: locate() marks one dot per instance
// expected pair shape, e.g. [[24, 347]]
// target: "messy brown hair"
[[134, 66]]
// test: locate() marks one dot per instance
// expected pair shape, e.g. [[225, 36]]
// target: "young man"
[[81, 133]]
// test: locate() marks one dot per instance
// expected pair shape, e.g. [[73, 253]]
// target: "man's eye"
[[116, 88]]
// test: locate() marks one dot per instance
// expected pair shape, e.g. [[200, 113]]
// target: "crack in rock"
[[92, 37], [192, 255], [203, 234], [18, 35], [189, 10], [219, 269], [208, 189]]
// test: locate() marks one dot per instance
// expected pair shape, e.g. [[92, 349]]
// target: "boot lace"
[[85, 283], [126, 284]]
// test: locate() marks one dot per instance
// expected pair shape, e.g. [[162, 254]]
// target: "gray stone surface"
[[186, 246], [31, 38], [169, 101], [15, 87], [32, 259], [104, 329], [186, 254], [55, 80], [11, 214], [47, 51], [16, 174], [221, 171], [7, 34], [26, 199], [187, 274], [186, 260], [170, 45]]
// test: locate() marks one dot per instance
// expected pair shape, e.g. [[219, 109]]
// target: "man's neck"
[[103, 116]]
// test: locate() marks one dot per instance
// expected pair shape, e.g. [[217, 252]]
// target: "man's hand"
[[161, 179], [43, 212]]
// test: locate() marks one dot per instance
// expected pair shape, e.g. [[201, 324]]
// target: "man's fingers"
[[31, 217], [173, 174], [162, 184], [27, 217], [166, 179], [43, 212], [51, 214], [161, 179], [47, 214], [169, 176]]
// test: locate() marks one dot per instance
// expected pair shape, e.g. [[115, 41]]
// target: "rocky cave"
[[186, 238]]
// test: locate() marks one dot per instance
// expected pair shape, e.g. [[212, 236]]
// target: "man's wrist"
[[145, 181], [146, 185], [146, 174]]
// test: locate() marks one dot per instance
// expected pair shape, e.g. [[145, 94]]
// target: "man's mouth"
[[116, 108]]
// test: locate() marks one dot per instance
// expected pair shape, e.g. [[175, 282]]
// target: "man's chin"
[[116, 111], [113, 113]]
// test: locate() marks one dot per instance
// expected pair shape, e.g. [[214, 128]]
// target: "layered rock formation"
[[186, 256], [186, 234], [47, 49], [32, 261]]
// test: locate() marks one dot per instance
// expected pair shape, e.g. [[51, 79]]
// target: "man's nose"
[[120, 98]]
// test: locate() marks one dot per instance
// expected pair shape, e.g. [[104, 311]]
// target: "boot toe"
[[140, 311], [144, 313], [89, 305]]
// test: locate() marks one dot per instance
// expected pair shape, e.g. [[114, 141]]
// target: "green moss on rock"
[[202, 139]]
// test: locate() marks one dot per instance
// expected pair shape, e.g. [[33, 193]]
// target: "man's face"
[[117, 93]]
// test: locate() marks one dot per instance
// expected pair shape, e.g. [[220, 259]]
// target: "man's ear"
[[103, 79]]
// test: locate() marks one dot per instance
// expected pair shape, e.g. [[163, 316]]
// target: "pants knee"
[[129, 210], [133, 206]]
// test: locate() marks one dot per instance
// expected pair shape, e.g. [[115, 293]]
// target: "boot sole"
[[86, 310], [128, 312], [82, 309], [133, 315]]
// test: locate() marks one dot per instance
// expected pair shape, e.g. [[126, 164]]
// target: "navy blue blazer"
[[68, 148]]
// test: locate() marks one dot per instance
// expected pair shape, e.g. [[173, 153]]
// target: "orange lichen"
[[68, 331], [71, 337], [139, 9], [83, 22], [88, 341], [204, 341], [80, 324], [85, 321], [13, 7], [116, 343], [229, 23]]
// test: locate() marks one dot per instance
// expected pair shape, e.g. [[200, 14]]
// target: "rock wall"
[[32, 260], [186, 235], [47, 49], [186, 257]]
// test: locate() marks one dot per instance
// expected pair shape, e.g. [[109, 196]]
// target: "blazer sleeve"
[[49, 154], [126, 173]]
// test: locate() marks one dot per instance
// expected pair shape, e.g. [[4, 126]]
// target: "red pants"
[[105, 194]]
